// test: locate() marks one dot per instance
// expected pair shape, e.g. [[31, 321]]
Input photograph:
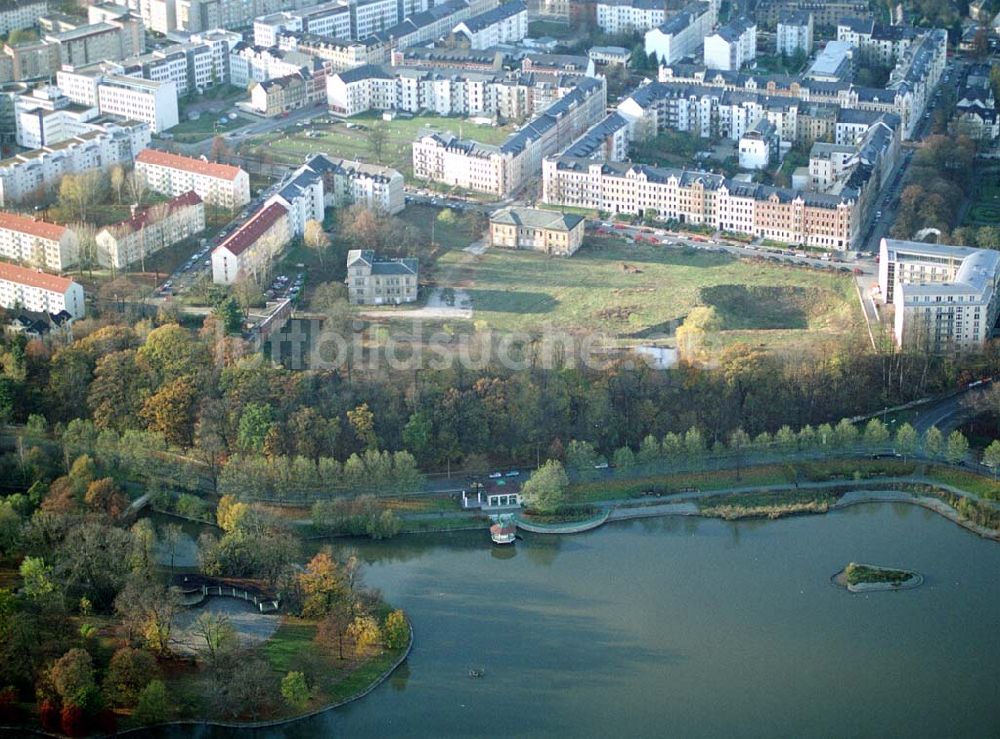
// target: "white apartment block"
[[189, 66], [328, 19], [427, 26], [731, 46], [134, 99], [682, 34], [303, 198], [945, 297], [337, 55], [250, 249], [31, 290], [507, 24], [503, 170], [346, 182], [447, 92], [371, 16], [37, 244], [15, 16], [630, 16], [155, 228], [249, 63], [29, 175], [702, 198], [221, 43], [46, 116], [221, 185], [795, 33], [758, 147]]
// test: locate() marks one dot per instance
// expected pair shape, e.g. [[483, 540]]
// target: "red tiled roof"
[[25, 224], [139, 220], [25, 276], [188, 164], [247, 234]]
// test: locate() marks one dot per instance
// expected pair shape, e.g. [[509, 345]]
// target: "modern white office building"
[[945, 297]]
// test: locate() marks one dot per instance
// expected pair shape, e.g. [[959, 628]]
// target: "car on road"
[[878, 215], [495, 475], [601, 466], [513, 473]]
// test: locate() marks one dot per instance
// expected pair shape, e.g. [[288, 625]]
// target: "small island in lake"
[[863, 578]]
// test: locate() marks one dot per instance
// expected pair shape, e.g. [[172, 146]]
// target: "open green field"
[[985, 207], [191, 132], [336, 139], [644, 291]]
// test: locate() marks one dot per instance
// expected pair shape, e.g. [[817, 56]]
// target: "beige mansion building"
[[375, 281], [545, 231]]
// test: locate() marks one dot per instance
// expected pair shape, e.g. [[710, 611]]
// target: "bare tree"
[[137, 186], [118, 180], [316, 238]]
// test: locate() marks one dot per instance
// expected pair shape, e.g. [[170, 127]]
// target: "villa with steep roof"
[[547, 231], [375, 281]]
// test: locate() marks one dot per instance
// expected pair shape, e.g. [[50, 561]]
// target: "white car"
[[495, 475]]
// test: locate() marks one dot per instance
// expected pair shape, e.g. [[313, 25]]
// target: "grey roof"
[[977, 272], [594, 137], [364, 72], [381, 266], [324, 164], [858, 25], [498, 14], [684, 18], [794, 18], [536, 218]]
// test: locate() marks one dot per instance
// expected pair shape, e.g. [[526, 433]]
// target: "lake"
[[688, 627]]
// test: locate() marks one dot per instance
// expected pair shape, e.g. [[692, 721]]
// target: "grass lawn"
[[985, 207], [970, 482], [191, 132], [336, 139], [640, 291], [291, 638]]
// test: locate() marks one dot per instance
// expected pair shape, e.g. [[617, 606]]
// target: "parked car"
[[513, 473], [495, 475]]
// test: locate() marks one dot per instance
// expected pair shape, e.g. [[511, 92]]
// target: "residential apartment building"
[[826, 13], [327, 19], [249, 63], [302, 196], [220, 185], [447, 92], [546, 231], [32, 60], [374, 281], [506, 24], [280, 95], [28, 289], [17, 15], [731, 46], [759, 146], [135, 99], [560, 64], [37, 244], [346, 182], [630, 16], [424, 27], [220, 42], [45, 116], [794, 33], [250, 249], [945, 297], [505, 169], [337, 54], [155, 228], [372, 16], [824, 220], [607, 140], [882, 43], [29, 175], [189, 66], [975, 111], [682, 34]]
